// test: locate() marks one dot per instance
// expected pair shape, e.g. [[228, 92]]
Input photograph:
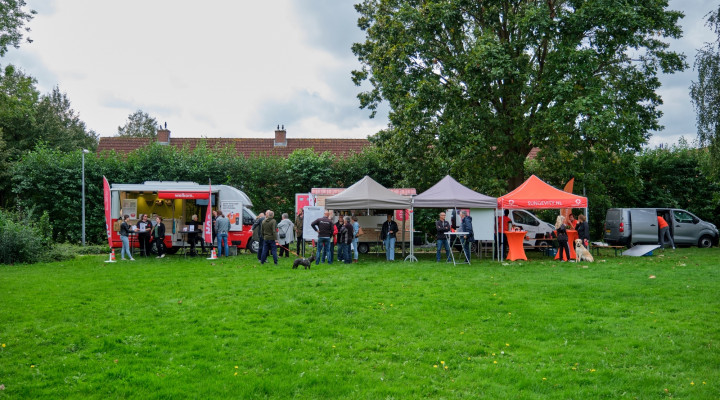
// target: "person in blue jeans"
[[387, 234], [442, 226], [356, 230], [223, 226], [325, 228], [467, 240]]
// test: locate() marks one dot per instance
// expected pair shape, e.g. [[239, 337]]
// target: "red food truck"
[[176, 203]]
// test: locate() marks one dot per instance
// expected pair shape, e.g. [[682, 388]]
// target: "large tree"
[[477, 84], [12, 24], [139, 124], [60, 126], [705, 93]]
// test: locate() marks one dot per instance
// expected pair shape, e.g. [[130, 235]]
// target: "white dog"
[[581, 253]]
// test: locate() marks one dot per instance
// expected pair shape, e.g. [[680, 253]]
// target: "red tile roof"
[[245, 146]]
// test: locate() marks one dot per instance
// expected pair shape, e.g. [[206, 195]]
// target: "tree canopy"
[[139, 124], [705, 93], [479, 84], [12, 24]]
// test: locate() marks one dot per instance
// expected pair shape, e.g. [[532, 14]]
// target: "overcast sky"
[[238, 69]]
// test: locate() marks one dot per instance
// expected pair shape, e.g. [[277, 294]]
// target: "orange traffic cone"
[[112, 256], [213, 255]]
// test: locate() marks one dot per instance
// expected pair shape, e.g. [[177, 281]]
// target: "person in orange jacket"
[[664, 232]]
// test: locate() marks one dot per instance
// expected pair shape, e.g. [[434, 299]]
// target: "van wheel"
[[254, 246], [363, 248], [705, 242], [542, 243]]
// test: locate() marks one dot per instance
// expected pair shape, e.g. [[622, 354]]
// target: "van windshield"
[[525, 218]]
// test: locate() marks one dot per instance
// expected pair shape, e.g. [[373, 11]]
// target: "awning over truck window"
[[184, 195]]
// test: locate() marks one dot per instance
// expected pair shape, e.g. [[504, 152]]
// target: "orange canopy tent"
[[535, 193]]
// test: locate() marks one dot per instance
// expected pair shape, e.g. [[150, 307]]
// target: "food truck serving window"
[[182, 195]]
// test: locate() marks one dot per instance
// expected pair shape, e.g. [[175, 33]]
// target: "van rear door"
[[644, 225]]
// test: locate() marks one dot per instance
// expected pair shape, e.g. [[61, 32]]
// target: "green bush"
[[23, 239]]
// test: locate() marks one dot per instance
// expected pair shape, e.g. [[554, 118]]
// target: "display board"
[[483, 223], [311, 213]]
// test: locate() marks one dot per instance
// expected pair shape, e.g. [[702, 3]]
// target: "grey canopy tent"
[[448, 193], [367, 194]]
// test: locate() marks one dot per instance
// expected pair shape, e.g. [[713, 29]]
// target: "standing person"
[[583, 230], [214, 224], [158, 234], [562, 238], [664, 232], [324, 227], [144, 227], [466, 226], [572, 222], [345, 238], [388, 234], [223, 227], [286, 235], [356, 233], [442, 226], [299, 233], [338, 225], [194, 235], [124, 232], [503, 224], [270, 235], [257, 233]]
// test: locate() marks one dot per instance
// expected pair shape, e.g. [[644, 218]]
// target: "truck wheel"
[[705, 242], [254, 246], [363, 248]]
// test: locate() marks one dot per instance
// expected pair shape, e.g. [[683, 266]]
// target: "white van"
[[539, 233]]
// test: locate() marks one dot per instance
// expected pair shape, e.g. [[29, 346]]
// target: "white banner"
[[311, 213]]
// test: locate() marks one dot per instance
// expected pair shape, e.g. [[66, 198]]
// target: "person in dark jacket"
[[583, 230], [257, 234], [270, 236], [324, 227], [195, 235], [144, 226], [442, 226], [562, 238], [345, 238], [299, 233], [388, 234], [466, 226], [158, 234]]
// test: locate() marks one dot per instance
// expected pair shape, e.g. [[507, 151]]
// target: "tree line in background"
[[49, 180]]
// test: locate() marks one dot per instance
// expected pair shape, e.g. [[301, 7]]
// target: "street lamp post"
[[85, 151]]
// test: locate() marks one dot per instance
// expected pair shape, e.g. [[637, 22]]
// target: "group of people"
[[148, 234], [344, 233], [269, 234], [561, 227], [442, 227]]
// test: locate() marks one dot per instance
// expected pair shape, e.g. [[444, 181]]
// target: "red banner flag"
[[107, 201], [207, 226]]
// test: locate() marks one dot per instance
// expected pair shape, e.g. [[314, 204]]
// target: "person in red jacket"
[[664, 232]]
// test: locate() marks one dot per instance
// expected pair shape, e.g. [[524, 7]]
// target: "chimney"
[[280, 137], [163, 136]]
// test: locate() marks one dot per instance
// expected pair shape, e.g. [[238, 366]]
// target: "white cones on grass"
[[112, 256]]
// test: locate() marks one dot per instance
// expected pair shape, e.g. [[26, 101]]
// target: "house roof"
[[244, 146]]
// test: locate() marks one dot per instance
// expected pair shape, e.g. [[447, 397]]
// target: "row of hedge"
[[50, 181]]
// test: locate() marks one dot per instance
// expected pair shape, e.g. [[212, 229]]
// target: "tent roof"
[[450, 193], [535, 193], [367, 194]]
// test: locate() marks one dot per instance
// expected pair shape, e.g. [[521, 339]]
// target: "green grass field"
[[619, 328]]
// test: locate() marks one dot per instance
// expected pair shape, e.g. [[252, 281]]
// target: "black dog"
[[306, 262]]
